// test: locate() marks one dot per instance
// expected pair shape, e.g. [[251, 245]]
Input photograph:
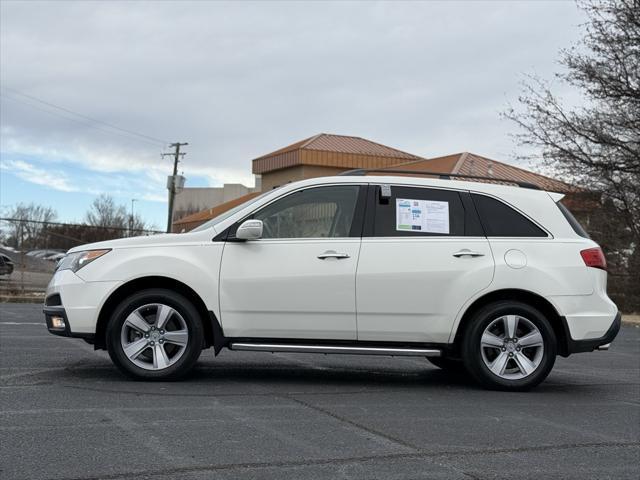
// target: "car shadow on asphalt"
[[252, 376], [337, 376], [212, 378]]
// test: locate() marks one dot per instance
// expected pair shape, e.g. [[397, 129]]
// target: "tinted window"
[[572, 221], [500, 220], [311, 213], [447, 218]]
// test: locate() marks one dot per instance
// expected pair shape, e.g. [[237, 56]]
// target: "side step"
[[349, 350]]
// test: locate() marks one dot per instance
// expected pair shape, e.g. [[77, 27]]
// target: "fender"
[[197, 266]]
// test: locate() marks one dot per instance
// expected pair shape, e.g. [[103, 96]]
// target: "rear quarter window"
[[572, 221], [500, 220]]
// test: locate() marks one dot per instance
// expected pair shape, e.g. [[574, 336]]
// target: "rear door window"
[[416, 211], [500, 220]]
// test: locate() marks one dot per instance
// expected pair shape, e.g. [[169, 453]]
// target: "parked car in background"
[[44, 254], [8, 248], [6, 265], [54, 257], [491, 278]]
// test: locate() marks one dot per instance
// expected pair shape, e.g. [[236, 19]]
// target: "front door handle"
[[332, 254], [467, 253]]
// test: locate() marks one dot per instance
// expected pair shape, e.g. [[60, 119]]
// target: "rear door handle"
[[467, 253], [332, 254]]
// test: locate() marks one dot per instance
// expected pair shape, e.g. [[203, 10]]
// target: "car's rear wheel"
[[509, 346], [155, 334]]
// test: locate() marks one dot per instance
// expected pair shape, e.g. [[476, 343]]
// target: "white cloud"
[[239, 79], [39, 176]]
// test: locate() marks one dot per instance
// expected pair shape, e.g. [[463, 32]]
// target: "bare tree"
[[28, 223], [105, 213], [137, 226], [597, 145]]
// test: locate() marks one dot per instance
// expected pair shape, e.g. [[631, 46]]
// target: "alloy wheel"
[[512, 347], [154, 336]]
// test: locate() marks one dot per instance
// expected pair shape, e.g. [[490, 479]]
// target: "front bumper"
[[588, 345], [77, 301], [50, 312]]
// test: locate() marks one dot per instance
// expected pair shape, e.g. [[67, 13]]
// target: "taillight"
[[593, 257]]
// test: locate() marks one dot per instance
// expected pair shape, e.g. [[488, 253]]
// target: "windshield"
[[223, 216]]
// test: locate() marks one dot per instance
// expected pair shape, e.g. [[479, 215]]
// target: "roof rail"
[[440, 175]]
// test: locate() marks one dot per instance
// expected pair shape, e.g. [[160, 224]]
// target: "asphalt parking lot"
[[68, 413]]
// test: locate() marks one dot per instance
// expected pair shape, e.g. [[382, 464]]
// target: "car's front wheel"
[[155, 334], [509, 345]]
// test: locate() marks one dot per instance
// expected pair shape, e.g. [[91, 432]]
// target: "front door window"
[[323, 212]]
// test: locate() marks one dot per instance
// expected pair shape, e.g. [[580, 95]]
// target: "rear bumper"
[[588, 345], [587, 317]]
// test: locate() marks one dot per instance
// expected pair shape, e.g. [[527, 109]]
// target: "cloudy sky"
[[237, 80]]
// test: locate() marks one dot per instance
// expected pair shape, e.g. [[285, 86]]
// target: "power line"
[[91, 119], [75, 120]]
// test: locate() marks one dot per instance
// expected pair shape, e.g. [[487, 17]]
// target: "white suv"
[[493, 278]]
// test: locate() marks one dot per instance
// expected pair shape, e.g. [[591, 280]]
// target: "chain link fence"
[[30, 250]]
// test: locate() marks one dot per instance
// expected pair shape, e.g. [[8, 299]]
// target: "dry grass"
[[632, 319]]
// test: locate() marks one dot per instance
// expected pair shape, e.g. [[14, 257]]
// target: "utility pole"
[[131, 217], [171, 182], [22, 265]]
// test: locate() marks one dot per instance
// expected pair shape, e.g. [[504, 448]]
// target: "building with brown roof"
[[467, 163], [327, 154], [197, 199], [194, 220], [324, 155]]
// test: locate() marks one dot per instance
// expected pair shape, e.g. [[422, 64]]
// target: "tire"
[[515, 362], [155, 334], [448, 364]]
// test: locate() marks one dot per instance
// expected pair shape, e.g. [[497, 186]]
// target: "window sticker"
[[422, 216]]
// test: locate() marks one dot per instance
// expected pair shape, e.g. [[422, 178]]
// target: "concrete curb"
[[36, 298]]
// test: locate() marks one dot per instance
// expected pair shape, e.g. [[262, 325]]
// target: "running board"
[[349, 350]]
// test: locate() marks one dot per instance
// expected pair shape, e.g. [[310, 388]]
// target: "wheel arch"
[[524, 296], [212, 330]]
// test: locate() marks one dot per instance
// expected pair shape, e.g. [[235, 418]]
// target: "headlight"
[[75, 261]]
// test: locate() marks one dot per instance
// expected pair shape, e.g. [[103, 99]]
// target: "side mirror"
[[249, 230]]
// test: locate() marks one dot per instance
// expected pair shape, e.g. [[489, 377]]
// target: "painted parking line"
[[21, 323]]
